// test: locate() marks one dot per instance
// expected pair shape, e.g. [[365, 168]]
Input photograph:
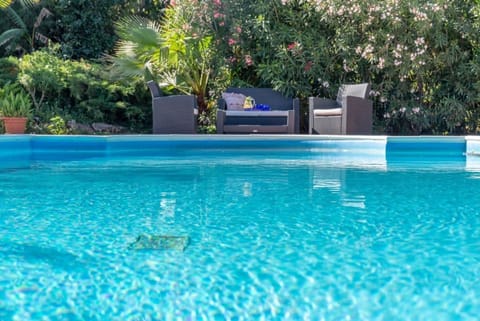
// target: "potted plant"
[[15, 109]]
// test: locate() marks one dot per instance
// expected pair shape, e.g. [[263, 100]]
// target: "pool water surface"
[[270, 239]]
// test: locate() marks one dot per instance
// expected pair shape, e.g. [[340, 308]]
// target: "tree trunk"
[[201, 103]]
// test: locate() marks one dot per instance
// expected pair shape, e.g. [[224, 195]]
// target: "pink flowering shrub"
[[415, 54], [411, 120]]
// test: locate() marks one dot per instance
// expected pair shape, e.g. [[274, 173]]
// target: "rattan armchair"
[[349, 114], [176, 114]]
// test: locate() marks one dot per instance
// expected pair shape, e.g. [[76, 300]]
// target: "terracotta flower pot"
[[15, 125]]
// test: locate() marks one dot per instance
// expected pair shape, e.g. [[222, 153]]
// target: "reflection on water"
[[269, 241], [336, 181]]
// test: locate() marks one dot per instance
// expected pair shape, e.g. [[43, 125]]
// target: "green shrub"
[[8, 70], [44, 77], [83, 91], [85, 29], [57, 126]]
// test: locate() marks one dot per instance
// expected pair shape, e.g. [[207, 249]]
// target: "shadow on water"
[[35, 254]]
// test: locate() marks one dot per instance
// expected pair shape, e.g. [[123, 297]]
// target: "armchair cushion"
[[328, 112]]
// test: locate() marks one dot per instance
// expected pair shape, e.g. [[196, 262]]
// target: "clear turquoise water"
[[270, 240]]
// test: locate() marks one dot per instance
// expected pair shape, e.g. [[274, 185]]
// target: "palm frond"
[[29, 3], [125, 48], [130, 67], [16, 19], [10, 34], [170, 80], [146, 37], [129, 26], [4, 4]]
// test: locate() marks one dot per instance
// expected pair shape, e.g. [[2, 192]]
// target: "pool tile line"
[[21, 150]]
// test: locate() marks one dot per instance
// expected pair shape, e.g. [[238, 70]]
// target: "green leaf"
[[16, 19], [4, 4], [10, 34]]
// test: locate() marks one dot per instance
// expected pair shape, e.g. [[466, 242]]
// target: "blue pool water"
[[271, 238]]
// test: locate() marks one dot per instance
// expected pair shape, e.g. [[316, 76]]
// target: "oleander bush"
[[417, 54]]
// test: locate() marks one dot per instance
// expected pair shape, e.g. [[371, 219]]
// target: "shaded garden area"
[[84, 62]]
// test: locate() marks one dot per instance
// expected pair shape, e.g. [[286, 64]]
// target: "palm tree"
[[160, 52], [21, 29]]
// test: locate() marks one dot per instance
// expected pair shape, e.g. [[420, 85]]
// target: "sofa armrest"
[[221, 114], [221, 104], [296, 115]]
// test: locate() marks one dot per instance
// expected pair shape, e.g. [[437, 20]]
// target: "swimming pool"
[[280, 228]]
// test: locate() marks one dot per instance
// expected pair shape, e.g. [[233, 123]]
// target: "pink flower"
[[217, 2], [231, 41], [248, 60], [217, 15], [238, 29], [292, 46]]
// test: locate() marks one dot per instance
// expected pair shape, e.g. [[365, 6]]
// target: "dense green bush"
[[83, 28], [82, 91], [8, 70]]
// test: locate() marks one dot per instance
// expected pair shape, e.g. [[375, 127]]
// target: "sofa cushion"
[[234, 101], [328, 112]]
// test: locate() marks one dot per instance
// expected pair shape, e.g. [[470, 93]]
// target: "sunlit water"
[[269, 240]]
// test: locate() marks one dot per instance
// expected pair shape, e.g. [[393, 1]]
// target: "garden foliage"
[[420, 56], [177, 53], [82, 91], [83, 28]]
